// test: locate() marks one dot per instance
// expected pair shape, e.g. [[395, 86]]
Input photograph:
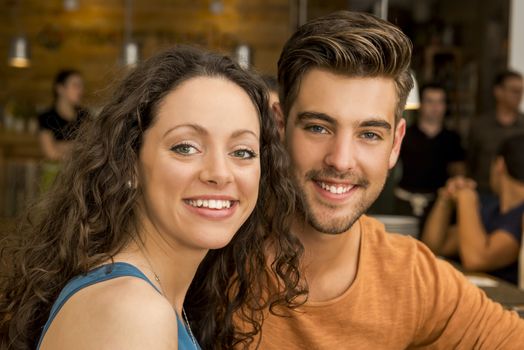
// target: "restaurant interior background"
[[462, 44]]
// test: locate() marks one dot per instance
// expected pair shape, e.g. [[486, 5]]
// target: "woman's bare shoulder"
[[122, 313]]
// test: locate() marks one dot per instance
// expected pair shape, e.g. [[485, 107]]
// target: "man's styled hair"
[[501, 77], [349, 43], [511, 151]]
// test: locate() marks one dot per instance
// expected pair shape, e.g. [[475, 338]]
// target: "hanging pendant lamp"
[[19, 55], [131, 50]]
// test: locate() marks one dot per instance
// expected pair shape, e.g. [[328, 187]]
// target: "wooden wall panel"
[[90, 39]]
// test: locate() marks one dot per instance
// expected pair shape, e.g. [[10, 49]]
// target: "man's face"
[[509, 93], [342, 139], [433, 105]]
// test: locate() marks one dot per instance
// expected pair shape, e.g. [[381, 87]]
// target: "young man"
[[430, 154], [489, 131], [343, 85], [488, 232]]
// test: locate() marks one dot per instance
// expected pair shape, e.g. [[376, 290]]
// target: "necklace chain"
[[184, 315]]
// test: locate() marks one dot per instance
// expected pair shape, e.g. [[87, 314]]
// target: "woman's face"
[[72, 90], [199, 164]]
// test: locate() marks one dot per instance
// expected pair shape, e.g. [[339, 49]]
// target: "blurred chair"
[[406, 225]]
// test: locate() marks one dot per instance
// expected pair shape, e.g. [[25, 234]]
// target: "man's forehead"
[[340, 95]]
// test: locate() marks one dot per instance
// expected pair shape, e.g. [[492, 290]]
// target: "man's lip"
[[335, 182]]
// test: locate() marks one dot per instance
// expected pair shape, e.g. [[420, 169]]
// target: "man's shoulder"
[[375, 233], [395, 250]]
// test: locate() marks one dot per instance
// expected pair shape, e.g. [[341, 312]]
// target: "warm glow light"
[[19, 62], [413, 101]]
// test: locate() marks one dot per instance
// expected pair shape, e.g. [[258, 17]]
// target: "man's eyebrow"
[[305, 116], [375, 123]]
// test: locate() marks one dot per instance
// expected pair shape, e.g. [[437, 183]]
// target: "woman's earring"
[[131, 184]]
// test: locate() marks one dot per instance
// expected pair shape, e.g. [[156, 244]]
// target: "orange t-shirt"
[[402, 297]]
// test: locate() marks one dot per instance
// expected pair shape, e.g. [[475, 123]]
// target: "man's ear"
[[279, 118], [399, 133]]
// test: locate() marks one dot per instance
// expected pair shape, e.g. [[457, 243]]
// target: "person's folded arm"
[[480, 251], [436, 233]]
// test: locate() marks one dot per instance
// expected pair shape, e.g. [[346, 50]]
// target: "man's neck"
[[505, 116], [429, 127], [330, 260]]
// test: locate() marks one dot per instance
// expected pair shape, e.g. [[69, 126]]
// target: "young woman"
[[184, 159], [59, 123]]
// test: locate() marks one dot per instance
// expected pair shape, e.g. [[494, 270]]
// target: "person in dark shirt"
[[488, 230], [58, 123], [489, 131], [430, 154]]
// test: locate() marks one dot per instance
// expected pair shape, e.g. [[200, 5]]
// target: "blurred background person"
[[430, 154], [488, 230], [488, 132], [59, 122]]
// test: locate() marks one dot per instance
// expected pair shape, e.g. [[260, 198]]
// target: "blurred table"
[[507, 294]]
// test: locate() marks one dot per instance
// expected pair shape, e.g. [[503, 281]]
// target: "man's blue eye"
[[317, 129], [371, 136]]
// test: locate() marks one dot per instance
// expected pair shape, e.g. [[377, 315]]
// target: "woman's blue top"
[[101, 274]]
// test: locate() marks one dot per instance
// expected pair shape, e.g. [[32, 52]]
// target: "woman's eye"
[[244, 154], [184, 149], [317, 129]]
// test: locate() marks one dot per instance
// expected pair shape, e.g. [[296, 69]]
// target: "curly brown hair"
[[89, 215]]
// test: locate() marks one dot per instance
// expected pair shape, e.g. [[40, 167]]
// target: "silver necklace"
[[184, 315]]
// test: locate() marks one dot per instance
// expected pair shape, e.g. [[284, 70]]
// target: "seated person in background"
[[489, 131], [58, 123], [430, 154], [488, 231]]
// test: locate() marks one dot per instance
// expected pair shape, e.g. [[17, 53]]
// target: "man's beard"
[[329, 225]]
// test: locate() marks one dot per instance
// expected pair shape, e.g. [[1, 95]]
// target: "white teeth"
[[211, 203], [335, 189]]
